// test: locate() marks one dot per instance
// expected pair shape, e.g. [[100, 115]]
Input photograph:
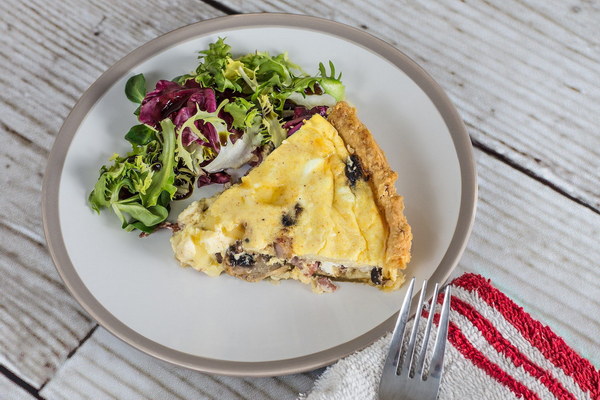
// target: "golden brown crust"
[[359, 141]]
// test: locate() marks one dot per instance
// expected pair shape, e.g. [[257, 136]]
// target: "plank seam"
[[72, 352], [512, 163], [130, 363], [24, 139], [25, 233], [221, 7], [20, 382], [81, 342]]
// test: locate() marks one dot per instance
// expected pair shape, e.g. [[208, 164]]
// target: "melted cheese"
[[337, 223]]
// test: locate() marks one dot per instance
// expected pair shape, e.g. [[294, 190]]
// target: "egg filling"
[[307, 212]]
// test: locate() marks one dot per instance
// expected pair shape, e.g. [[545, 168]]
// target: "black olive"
[[354, 170], [291, 218], [376, 275], [241, 259], [287, 220], [235, 247]]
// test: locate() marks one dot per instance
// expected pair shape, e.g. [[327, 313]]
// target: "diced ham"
[[325, 284], [283, 247]]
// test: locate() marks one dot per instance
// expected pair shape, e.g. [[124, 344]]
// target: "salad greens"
[[195, 128], [135, 88]]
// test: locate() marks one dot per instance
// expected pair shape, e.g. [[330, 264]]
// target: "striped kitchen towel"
[[495, 351]]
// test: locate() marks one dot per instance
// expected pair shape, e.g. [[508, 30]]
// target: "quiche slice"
[[321, 207]]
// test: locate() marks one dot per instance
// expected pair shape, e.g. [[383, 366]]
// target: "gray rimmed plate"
[[135, 289]]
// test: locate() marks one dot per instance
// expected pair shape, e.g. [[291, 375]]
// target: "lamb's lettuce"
[[135, 88]]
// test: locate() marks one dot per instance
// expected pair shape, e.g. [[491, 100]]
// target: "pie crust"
[[382, 178]]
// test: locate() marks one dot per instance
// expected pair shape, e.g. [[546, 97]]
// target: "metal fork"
[[403, 375]]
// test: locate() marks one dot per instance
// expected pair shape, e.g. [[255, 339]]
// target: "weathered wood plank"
[[10, 391], [21, 179], [50, 53], [106, 368], [52, 73], [76, 48], [39, 322], [525, 76]]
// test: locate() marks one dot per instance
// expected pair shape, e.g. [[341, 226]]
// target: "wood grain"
[[120, 372], [525, 76], [50, 53], [39, 322]]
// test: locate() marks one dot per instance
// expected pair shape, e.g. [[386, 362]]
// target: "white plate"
[[135, 288]]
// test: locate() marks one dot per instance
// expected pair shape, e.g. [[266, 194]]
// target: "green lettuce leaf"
[[244, 112], [274, 131], [139, 186], [165, 177], [211, 71], [135, 88], [140, 135]]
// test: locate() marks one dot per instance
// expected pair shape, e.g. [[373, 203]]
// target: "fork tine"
[[437, 359], [410, 350], [420, 365], [390, 366]]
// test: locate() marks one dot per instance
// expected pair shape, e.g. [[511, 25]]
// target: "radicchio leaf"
[[300, 115], [216, 177], [180, 102]]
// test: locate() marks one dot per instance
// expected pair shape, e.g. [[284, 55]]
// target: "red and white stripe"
[[496, 351], [499, 352]]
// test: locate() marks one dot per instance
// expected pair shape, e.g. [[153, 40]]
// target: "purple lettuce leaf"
[[215, 177], [179, 103], [300, 115]]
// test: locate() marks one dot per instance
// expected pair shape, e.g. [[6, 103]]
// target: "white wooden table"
[[525, 77]]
